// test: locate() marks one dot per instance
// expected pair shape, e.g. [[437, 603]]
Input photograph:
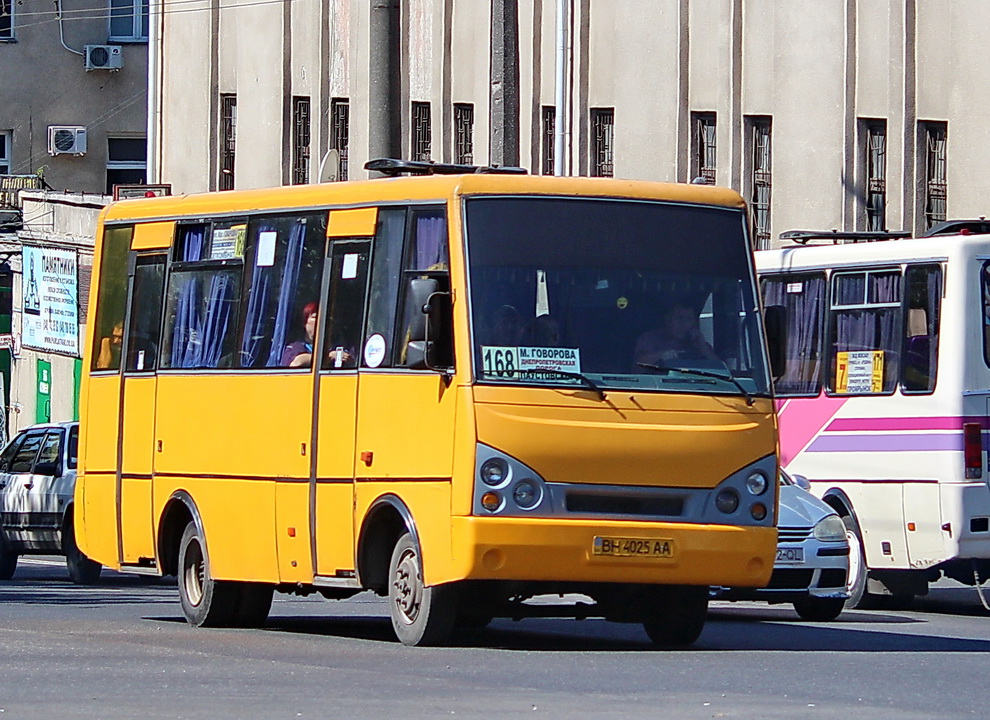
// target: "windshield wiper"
[[564, 373], [701, 373]]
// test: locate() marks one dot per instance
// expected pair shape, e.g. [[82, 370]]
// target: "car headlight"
[[830, 529], [756, 483], [494, 472]]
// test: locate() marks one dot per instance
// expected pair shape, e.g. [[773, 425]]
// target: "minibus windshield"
[[620, 294]]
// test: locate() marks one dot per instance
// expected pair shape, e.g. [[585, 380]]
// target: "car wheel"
[[205, 602], [8, 560], [678, 616], [819, 609], [856, 578], [421, 615], [82, 570]]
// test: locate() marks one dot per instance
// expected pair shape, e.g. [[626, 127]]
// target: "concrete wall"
[[818, 68], [42, 84]]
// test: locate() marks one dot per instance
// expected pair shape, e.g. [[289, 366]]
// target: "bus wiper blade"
[[701, 373], [565, 373]]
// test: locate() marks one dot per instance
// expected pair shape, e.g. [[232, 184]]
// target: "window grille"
[[464, 133], [549, 139], [603, 135], [228, 134], [876, 175], [422, 135], [935, 177], [704, 154], [300, 140], [340, 115], [761, 180]]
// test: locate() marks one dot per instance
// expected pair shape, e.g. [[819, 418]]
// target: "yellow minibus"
[[455, 387]]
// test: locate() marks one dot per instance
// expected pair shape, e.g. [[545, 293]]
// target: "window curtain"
[[187, 329], [431, 248], [259, 297], [219, 309], [804, 312], [873, 328], [287, 292]]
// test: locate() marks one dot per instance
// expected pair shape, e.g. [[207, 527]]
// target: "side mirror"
[[429, 341], [417, 296], [802, 482], [46, 468], [775, 322]]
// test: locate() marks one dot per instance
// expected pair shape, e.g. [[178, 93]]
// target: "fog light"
[[727, 501], [758, 511], [756, 483], [526, 494], [491, 501], [494, 471]]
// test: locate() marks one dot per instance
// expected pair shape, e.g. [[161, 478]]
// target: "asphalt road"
[[122, 650]]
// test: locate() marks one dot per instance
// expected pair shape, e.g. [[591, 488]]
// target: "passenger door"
[[7, 481], [43, 501], [18, 515]]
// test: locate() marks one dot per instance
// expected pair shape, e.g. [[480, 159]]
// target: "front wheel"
[[421, 615], [8, 559], [819, 609], [856, 579], [678, 616]]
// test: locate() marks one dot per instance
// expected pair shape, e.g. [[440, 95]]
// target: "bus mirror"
[[434, 351], [417, 296], [775, 322]]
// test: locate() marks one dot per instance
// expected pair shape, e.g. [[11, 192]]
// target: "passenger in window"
[[678, 338], [543, 331], [300, 352], [508, 328], [109, 357]]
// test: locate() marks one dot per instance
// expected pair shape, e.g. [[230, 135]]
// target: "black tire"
[[253, 605], [856, 579], [678, 616], [82, 570], [205, 602], [819, 609], [421, 615], [8, 559]]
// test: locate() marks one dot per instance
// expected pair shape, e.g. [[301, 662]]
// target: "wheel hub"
[[408, 587]]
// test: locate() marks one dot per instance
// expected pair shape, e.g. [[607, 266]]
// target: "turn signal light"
[[973, 450]]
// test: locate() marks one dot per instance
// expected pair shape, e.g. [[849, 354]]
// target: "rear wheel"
[[819, 609], [8, 560], [82, 570], [205, 602], [678, 616], [421, 615]]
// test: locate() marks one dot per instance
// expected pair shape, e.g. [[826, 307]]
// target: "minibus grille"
[[602, 504], [793, 534]]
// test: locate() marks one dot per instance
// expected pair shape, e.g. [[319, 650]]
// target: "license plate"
[[790, 556], [633, 547]]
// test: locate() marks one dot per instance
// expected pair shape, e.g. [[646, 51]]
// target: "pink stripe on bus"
[[889, 424], [801, 420]]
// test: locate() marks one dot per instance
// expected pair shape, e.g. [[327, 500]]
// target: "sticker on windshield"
[[531, 363]]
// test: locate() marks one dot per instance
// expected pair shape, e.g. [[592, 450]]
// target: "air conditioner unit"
[[66, 140], [104, 57]]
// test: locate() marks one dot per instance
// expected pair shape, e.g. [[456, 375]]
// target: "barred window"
[[340, 114], [703, 155], [422, 134], [548, 136], [934, 134], [875, 137], [602, 139], [300, 140], [760, 180], [464, 133], [228, 134]]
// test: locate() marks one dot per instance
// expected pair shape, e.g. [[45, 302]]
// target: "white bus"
[[885, 401]]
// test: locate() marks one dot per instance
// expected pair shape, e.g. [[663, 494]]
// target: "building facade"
[[73, 92], [846, 114]]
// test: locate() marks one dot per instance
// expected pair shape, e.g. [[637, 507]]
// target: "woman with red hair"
[[300, 352]]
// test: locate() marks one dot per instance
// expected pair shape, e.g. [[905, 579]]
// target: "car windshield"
[[618, 294]]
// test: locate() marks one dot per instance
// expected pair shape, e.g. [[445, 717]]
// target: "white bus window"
[[865, 331], [803, 297], [923, 285]]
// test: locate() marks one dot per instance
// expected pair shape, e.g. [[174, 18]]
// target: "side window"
[[349, 265], [985, 282], [144, 333], [50, 448], [202, 297], [425, 258], [284, 263], [923, 298], [24, 457], [72, 450], [866, 331], [108, 337], [385, 275], [803, 298], [8, 454]]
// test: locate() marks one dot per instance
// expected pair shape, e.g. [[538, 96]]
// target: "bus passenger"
[[109, 357], [300, 352], [679, 338], [543, 331], [508, 328]]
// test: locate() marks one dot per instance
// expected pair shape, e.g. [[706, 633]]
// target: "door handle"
[[29, 484]]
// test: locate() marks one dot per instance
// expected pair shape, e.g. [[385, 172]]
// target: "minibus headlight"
[[727, 501], [526, 494], [758, 511], [494, 471], [491, 501], [756, 483], [830, 529]]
